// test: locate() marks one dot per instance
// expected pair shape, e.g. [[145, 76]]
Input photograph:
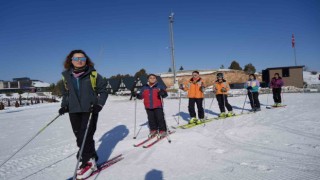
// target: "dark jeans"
[[254, 99], [156, 119], [192, 111], [79, 123], [276, 95], [223, 102]]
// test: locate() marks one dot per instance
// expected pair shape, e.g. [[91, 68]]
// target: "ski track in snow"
[[282, 142]]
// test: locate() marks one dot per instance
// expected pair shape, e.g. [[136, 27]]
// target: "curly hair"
[[68, 61]]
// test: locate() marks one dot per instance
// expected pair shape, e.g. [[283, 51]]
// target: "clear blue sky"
[[122, 36]]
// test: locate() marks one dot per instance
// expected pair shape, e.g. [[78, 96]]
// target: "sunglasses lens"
[[79, 58]]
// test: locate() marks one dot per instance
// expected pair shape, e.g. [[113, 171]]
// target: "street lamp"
[[171, 20]]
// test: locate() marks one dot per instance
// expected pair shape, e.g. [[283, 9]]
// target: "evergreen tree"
[[235, 65], [170, 70], [249, 68], [222, 66], [57, 88], [141, 72], [181, 68], [120, 76]]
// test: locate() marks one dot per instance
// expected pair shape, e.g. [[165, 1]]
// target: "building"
[[236, 78], [23, 84], [291, 75], [125, 85]]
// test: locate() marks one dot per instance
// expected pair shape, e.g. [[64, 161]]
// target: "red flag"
[[293, 41]]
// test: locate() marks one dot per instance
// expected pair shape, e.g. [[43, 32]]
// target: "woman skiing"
[[276, 85], [152, 94], [84, 93], [252, 85], [221, 88]]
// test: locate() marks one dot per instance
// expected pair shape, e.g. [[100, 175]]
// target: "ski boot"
[[162, 134], [193, 120], [199, 121], [222, 115], [86, 169], [153, 133], [230, 113]]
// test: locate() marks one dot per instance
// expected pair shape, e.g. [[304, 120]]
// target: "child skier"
[[252, 85], [221, 88], [152, 94], [195, 88], [276, 84]]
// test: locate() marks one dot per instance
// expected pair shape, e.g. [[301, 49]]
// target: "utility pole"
[[171, 20]]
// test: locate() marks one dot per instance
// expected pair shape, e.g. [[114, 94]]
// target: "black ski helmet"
[[220, 75]]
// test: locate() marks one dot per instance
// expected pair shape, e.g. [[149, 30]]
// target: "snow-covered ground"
[[281, 143], [310, 78]]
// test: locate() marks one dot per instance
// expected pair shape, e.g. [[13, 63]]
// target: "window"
[[285, 72]]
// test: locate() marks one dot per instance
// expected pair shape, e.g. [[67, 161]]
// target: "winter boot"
[[222, 115], [198, 121], [162, 134], [231, 113], [86, 169], [193, 120], [153, 133]]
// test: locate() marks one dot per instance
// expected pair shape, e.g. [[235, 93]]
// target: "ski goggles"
[[79, 58]]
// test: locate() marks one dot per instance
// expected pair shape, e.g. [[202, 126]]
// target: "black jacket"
[[81, 100]]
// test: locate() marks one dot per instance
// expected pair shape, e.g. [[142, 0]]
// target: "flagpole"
[[295, 56], [293, 41]]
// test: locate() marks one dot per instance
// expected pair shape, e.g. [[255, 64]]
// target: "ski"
[[157, 140], [272, 107], [187, 126], [104, 165], [143, 142]]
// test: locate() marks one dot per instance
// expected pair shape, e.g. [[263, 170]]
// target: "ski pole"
[[82, 146], [253, 103], [268, 98], [244, 103], [164, 118], [210, 106], [30, 139], [135, 118], [179, 106], [282, 99]]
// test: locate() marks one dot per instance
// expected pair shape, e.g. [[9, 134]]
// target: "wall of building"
[[232, 76], [295, 78]]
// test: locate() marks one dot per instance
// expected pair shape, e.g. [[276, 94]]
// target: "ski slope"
[[282, 143]]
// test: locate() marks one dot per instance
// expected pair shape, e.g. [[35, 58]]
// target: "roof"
[[21, 79], [290, 67], [189, 72], [129, 82], [40, 84]]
